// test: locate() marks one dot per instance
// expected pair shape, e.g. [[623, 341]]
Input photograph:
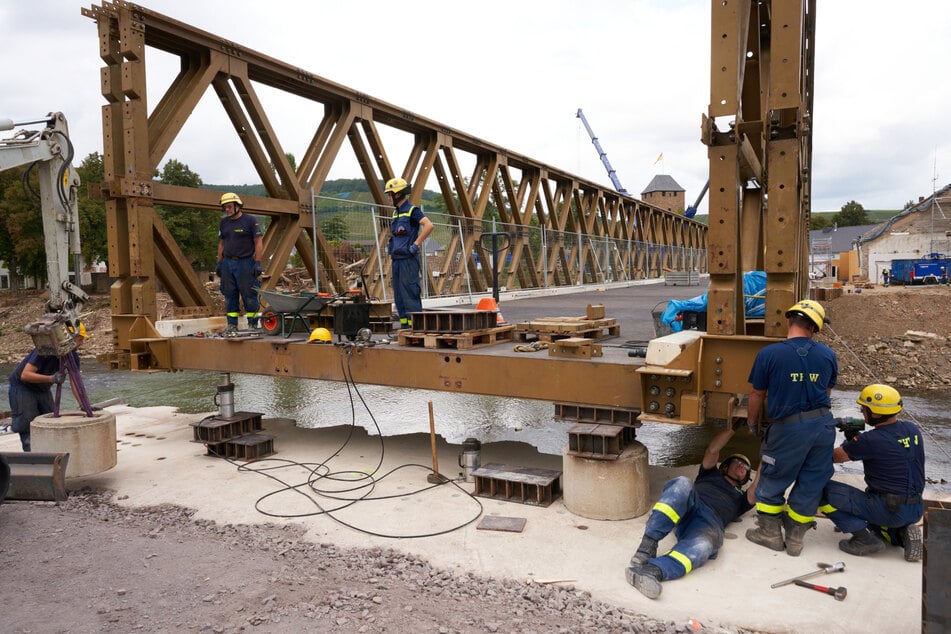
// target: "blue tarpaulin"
[[754, 295]]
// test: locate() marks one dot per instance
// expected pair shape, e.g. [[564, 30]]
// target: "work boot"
[[645, 552], [862, 543], [768, 531], [911, 542], [646, 578], [795, 532]]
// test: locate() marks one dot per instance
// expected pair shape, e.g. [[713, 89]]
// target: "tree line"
[[22, 246]]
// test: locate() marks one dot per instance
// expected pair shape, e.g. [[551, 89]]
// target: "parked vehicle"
[[931, 269]]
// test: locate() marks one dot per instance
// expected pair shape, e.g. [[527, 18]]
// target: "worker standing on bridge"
[[698, 512], [797, 375], [31, 386], [408, 231], [240, 247], [893, 457]]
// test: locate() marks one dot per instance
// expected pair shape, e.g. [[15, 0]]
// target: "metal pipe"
[[313, 221]]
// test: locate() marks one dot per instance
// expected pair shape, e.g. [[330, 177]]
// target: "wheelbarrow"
[[293, 306]]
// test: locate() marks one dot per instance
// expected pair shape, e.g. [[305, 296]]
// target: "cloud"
[[515, 73]]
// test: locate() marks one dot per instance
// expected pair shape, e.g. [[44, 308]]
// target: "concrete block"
[[607, 489], [90, 441]]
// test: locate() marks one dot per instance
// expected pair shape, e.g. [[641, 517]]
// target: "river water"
[[395, 411]]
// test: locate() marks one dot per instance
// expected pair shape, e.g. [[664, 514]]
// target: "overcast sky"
[[515, 73]]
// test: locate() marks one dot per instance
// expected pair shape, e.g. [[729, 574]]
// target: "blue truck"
[[931, 269]]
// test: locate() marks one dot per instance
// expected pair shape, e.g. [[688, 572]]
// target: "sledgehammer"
[[839, 593], [824, 569]]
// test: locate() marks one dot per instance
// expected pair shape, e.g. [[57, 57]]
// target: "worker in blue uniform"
[[893, 457], [408, 231], [796, 377], [698, 512], [31, 386], [240, 247]]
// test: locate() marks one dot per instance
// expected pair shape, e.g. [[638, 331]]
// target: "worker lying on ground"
[[893, 457], [697, 512]]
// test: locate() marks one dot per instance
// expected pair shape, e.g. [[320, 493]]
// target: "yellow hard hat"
[[395, 185], [811, 310], [737, 456], [883, 400], [319, 334], [82, 330], [230, 197]]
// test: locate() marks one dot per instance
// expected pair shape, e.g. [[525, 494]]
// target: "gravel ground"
[[88, 565]]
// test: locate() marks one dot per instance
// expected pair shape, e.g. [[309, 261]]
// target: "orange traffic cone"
[[488, 303]]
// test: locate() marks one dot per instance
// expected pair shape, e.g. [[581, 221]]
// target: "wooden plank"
[[461, 341]]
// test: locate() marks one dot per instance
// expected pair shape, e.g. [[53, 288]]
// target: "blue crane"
[[604, 157], [691, 211]]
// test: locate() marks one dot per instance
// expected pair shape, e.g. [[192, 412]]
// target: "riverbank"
[[896, 335], [172, 539]]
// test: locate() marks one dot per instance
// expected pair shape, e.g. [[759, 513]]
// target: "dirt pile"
[[897, 335]]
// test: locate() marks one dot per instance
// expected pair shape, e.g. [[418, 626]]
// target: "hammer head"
[[839, 566], [840, 593]]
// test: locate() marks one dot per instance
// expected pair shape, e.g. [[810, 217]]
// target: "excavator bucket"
[[33, 476]]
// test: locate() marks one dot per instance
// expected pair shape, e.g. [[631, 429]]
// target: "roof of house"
[[841, 238], [924, 205], [662, 183]]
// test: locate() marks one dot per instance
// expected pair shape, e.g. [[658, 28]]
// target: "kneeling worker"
[[893, 458], [698, 513]]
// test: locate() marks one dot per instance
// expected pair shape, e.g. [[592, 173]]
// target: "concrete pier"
[[90, 441]]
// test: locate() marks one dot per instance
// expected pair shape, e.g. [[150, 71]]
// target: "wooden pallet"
[[461, 341], [553, 329]]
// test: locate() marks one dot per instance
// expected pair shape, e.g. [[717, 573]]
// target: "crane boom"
[[604, 157]]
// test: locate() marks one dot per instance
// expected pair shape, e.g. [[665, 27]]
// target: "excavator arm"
[[51, 152]]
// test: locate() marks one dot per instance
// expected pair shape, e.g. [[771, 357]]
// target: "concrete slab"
[[159, 464]]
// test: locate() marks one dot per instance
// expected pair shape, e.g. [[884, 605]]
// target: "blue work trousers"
[[237, 280], [798, 454], [696, 525], [25, 405], [406, 289], [852, 509]]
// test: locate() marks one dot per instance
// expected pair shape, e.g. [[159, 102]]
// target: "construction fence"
[[463, 256]]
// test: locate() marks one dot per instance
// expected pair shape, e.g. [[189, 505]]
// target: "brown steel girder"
[[761, 83], [758, 129]]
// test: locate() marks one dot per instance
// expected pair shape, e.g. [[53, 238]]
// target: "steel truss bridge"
[[757, 130], [523, 190]]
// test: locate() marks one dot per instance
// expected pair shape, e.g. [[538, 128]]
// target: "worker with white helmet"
[[893, 457], [797, 374], [240, 247], [697, 512], [408, 231]]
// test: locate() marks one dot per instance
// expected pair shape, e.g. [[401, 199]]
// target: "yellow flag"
[[660, 157]]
